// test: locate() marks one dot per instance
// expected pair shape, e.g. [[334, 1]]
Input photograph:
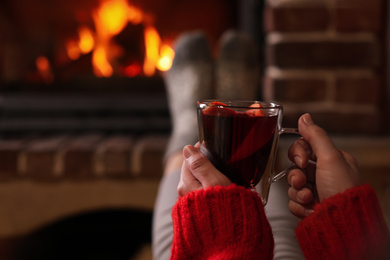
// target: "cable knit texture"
[[230, 223], [346, 226], [221, 223]]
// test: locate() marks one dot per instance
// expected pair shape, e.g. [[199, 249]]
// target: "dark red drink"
[[238, 143]]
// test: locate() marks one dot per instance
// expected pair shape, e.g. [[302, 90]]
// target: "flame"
[[44, 69], [110, 18], [133, 70], [43, 64], [102, 67], [86, 40], [135, 15], [158, 56], [113, 16], [84, 44], [152, 42], [72, 50], [166, 57]]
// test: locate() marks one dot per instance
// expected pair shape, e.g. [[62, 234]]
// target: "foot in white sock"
[[189, 80], [237, 69]]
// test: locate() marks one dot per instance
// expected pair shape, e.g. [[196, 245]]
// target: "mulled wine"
[[239, 142]]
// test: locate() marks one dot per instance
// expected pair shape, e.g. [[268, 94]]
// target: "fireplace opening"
[[95, 64], [46, 42]]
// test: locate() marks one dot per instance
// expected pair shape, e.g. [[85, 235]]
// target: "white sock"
[[237, 69], [190, 79]]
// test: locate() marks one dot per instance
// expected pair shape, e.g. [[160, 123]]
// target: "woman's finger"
[[300, 152], [299, 210], [318, 139], [188, 182], [296, 178], [202, 169], [302, 196]]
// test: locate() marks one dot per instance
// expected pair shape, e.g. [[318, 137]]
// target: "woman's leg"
[[189, 80], [162, 220], [283, 223]]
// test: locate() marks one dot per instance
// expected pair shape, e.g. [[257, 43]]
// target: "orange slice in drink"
[[256, 111]]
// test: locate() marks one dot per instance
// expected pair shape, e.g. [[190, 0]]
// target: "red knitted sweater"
[[230, 223]]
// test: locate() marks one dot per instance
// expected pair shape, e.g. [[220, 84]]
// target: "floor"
[[113, 234], [144, 253]]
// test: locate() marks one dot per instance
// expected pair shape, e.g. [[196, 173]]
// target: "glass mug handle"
[[292, 166]]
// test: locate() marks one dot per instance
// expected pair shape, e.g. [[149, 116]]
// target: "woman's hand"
[[335, 170], [197, 172]]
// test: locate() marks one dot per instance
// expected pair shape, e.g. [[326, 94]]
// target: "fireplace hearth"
[[128, 105]]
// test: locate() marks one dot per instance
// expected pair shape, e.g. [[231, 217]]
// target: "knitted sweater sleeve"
[[349, 225], [221, 223]]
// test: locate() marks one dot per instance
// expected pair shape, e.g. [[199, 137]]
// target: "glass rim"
[[240, 103]]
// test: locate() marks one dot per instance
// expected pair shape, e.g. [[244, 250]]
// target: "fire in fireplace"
[[47, 42], [95, 64], [110, 42]]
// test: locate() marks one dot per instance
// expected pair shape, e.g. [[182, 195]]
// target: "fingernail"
[[292, 181], [298, 160], [300, 197], [187, 152], [308, 212], [307, 119]]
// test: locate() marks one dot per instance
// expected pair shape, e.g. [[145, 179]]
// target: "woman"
[[341, 218]]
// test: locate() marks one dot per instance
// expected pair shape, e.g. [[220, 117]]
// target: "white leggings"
[[283, 223]]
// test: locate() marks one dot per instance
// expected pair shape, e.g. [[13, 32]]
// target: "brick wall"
[[92, 156], [326, 57]]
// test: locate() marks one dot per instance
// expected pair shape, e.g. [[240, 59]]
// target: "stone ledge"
[[85, 157], [27, 205]]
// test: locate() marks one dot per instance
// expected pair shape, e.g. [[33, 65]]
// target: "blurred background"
[[84, 118]]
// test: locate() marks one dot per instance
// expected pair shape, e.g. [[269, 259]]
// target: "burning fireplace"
[[95, 64], [44, 42]]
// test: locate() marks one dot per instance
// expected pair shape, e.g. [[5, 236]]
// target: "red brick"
[[298, 89], [358, 90], [147, 157], [324, 54], [358, 19], [348, 123], [78, 156], [9, 155], [296, 19], [113, 154], [362, 4], [359, 15], [340, 123], [39, 158]]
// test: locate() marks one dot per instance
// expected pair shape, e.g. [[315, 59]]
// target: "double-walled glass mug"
[[240, 138]]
